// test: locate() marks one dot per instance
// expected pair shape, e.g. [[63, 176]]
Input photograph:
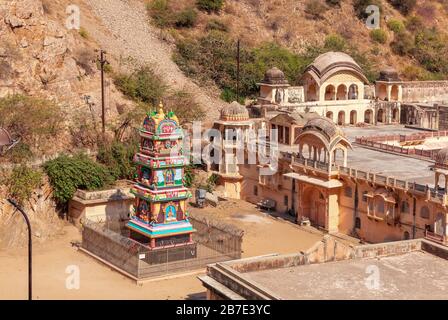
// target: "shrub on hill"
[[36, 121], [22, 182], [395, 25], [378, 35], [210, 6], [67, 174]]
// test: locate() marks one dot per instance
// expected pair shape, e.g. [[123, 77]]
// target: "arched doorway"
[[353, 92], [330, 92], [406, 235], [313, 206], [329, 115], [368, 116], [353, 116], [395, 115], [341, 118], [382, 92], [380, 116], [394, 93], [342, 92]]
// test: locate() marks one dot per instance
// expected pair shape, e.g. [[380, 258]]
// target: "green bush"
[[335, 42], [315, 8], [22, 182], [395, 25], [378, 35], [186, 18], [189, 176], [404, 6], [143, 85], [215, 24], [67, 174], [210, 6], [118, 158]]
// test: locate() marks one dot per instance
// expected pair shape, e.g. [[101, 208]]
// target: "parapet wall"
[[425, 91], [228, 280]]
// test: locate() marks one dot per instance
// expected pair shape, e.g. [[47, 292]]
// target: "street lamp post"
[[30, 248]]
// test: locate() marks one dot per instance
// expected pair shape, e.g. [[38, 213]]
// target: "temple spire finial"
[[160, 106]]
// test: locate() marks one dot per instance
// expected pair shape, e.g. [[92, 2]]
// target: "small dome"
[[325, 126], [389, 74], [234, 112], [275, 76], [442, 157]]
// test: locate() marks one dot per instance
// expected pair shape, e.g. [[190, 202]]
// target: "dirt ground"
[[263, 235]]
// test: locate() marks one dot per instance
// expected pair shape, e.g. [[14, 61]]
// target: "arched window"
[[330, 92], [353, 92], [406, 235], [424, 212]]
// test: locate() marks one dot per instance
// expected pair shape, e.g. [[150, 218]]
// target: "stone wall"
[[425, 91]]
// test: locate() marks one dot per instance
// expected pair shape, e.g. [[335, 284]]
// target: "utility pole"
[[102, 60], [238, 70], [30, 248]]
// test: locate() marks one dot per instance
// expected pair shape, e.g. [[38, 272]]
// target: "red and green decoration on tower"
[[160, 217]]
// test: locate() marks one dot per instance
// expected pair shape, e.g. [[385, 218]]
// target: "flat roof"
[[385, 163], [414, 275]]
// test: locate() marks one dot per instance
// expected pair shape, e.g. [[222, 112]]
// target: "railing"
[[434, 237], [214, 241], [377, 142]]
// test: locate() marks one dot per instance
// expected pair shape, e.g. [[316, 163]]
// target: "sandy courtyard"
[[263, 235]]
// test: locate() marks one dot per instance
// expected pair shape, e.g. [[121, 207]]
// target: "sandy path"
[[128, 34], [263, 235]]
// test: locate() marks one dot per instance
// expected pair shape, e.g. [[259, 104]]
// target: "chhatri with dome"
[[334, 86]]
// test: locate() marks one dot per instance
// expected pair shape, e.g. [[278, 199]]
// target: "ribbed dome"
[[324, 125], [389, 74], [234, 112], [442, 157], [275, 76]]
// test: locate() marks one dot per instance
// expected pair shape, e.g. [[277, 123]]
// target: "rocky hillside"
[[39, 56]]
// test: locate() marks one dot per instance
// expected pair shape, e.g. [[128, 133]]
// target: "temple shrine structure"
[[160, 218]]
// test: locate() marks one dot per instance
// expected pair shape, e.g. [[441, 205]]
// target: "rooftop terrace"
[[401, 270], [347, 279], [384, 163]]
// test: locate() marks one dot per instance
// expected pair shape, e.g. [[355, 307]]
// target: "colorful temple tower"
[[160, 218]]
